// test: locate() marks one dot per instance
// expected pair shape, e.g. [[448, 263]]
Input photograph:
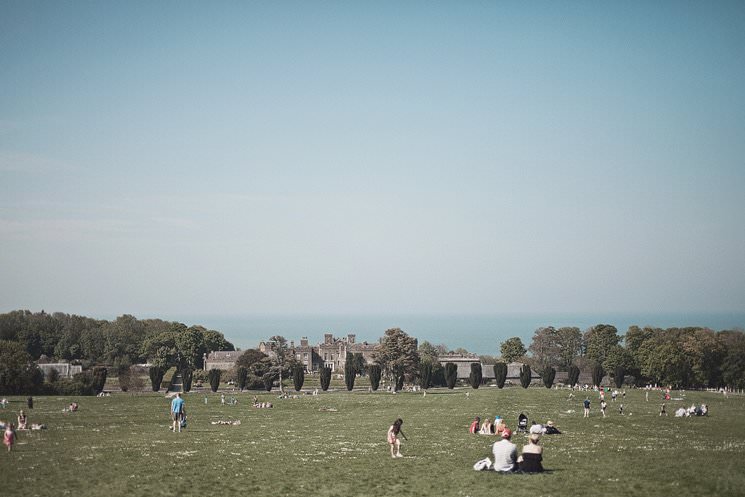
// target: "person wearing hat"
[[551, 429], [505, 453], [530, 460]]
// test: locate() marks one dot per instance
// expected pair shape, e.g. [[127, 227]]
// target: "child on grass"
[[9, 436]]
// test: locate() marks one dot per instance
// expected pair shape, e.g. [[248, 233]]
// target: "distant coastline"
[[478, 333]]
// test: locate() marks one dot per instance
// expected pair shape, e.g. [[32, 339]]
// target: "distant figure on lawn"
[[9, 436], [663, 410], [587, 407], [603, 406], [505, 453], [393, 440], [30, 402], [177, 412], [22, 420], [530, 460]]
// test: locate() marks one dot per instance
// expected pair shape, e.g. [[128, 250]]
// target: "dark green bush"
[[451, 374], [298, 376], [325, 376], [525, 376], [99, 379], [548, 375], [620, 374], [597, 374], [425, 374], [375, 372], [573, 375], [268, 380], [156, 377], [476, 375], [214, 377], [187, 375], [242, 377], [500, 374]]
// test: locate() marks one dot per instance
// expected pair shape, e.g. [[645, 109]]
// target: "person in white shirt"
[[536, 428], [505, 453]]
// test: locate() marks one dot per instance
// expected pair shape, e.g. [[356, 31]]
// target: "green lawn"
[[121, 445]]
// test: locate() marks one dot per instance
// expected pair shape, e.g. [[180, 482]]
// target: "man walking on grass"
[[177, 410]]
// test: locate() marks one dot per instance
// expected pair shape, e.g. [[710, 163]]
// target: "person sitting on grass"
[[530, 460], [486, 427], [499, 426], [551, 429], [505, 453], [22, 420], [474, 428]]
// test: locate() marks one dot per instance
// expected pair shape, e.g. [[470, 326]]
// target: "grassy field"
[[121, 445]]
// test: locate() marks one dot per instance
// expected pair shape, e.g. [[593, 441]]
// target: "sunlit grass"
[[121, 445]]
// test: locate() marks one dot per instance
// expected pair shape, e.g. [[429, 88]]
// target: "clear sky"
[[166, 158]]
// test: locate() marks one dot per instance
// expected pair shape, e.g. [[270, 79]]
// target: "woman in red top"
[[475, 425]]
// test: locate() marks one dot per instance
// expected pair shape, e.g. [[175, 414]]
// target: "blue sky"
[[167, 158]]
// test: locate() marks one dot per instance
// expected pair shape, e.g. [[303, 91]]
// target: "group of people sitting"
[[506, 459], [504, 451], [73, 407], [498, 426], [694, 410], [488, 427]]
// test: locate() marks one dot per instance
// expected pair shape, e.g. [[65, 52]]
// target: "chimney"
[[350, 338], [328, 338], [304, 342]]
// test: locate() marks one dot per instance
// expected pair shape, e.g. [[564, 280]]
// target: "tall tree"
[[451, 374], [544, 348], [187, 375], [298, 376], [99, 379], [597, 374], [425, 374], [242, 377], [350, 374], [214, 377], [619, 375], [476, 375], [526, 376], [569, 344], [733, 362], [599, 340], [156, 377], [548, 375], [325, 377], [573, 375], [18, 372], [397, 354], [281, 352], [500, 374], [512, 349], [374, 371]]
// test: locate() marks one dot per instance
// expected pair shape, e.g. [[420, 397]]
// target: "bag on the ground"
[[482, 465]]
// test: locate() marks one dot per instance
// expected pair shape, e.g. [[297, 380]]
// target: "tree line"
[[27, 338], [690, 357], [682, 357]]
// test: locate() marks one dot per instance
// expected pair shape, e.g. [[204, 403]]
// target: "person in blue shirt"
[[177, 410], [587, 408]]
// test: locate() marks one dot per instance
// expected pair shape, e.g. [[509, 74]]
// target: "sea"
[[477, 333]]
